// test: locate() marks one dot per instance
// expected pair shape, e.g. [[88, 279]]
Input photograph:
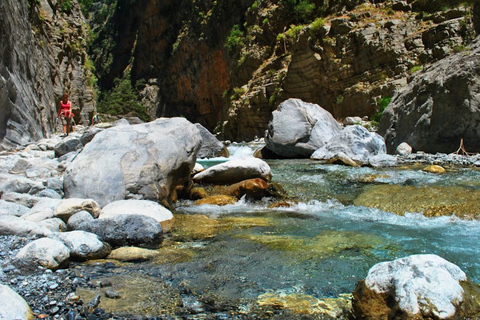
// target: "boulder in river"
[[355, 142], [299, 128], [146, 161], [423, 286], [211, 146], [235, 170]]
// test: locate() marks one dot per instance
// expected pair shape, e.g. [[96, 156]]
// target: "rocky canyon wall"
[[42, 54]]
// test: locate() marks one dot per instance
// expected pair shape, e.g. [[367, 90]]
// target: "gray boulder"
[[355, 142], [12, 225], [422, 286], [10, 208], [235, 170], [83, 245], [78, 218], [19, 184], [211, 146], [13, 306], [438, 108], [45, 252], [146, 161], [43, 209], [299, 128], [126, 230], [403, 149], [67, 145], [23, 199]]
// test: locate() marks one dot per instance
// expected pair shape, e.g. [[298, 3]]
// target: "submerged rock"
[[217, 200], [416, 287], [430, 201], [299, 128]]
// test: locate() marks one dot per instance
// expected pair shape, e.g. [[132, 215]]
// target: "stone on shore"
[[148, 161], [14, 209], [355, 142], [42, 210], [13, 306], [45, 252], [78, 218], [12, 225], [83, 245], [133, 254], [68, 207], [422, 286], [126, 230], [404, 149], [139, 207], [235, 170], [299, 128]]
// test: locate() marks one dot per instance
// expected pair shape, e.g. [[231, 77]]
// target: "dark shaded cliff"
[[42, 53]]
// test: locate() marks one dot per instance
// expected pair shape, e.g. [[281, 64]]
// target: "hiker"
[[65, 114], [95, 119]]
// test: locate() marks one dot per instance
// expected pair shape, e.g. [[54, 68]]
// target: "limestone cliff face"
[[228, 64], [41, 55]]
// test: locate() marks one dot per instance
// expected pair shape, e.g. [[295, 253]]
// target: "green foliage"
[[415, 69], [85, 5], [294, 31], [237, 93], [235, 40], [65, 6], [317, 24], [382, 104], [301, 9], [122, 100]]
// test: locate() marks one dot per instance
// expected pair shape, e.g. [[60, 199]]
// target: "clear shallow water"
[[227, 258]]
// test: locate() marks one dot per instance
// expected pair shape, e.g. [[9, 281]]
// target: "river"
[[260, 260]]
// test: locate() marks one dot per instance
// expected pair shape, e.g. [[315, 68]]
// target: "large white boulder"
[[415, 287], [356, 142], [299, 128], [235, 170], [145, 161], [13, 306], [12, 225], [48, 253], [11, 208]]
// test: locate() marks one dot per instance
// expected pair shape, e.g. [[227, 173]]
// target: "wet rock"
[[132, 254], [211, 146], [83, 245], [234, 171], [431, 201], [197, 168], [434, 169], [112, 294], [299, 128], [148, 161], [198, 193], [126, 230], [382, 161], [48, 253], [12, 305], [356, 142], [218, 200], [251, 188], [415, 287], [139, 207]]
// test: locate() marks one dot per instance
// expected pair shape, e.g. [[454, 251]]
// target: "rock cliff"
[[42, 53], [228, 64]]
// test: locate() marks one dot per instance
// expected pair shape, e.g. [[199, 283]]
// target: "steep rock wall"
[[41, 55]]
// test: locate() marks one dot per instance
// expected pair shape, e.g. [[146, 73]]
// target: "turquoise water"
[[320, 246], [325, 212]]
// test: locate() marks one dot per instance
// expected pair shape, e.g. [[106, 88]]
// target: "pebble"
[[112, 294]]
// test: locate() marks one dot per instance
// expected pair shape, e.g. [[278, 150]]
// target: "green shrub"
[[415, 69], [122, 100], [294, 31], [235, 40], [382, 104]]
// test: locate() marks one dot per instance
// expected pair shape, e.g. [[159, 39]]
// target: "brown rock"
[[219, 200], [252, 188]]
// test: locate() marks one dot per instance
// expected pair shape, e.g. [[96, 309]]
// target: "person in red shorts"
[[65, 113]]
